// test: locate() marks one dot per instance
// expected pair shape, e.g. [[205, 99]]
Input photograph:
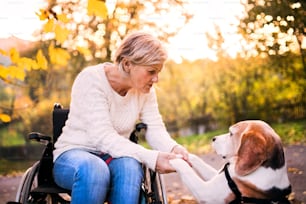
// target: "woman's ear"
[[126, 65]]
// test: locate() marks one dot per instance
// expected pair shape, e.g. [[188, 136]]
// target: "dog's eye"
[[231, 134]]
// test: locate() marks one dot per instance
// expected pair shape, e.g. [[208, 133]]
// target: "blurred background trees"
[[275, 27], [266, 80]]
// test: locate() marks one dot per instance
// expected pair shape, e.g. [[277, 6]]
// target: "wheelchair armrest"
[[39, 137], [139, 131]]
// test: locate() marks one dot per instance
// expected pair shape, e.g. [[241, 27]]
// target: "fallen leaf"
[[291, 196], [293, 170]]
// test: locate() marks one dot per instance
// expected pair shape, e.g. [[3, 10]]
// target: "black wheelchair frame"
[[37, 184]]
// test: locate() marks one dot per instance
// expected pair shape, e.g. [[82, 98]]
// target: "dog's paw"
[[180, 165]]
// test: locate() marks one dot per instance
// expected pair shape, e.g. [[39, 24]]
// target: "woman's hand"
[[162, 164], [182, 151]]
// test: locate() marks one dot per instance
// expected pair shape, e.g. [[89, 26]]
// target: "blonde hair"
[[141, 49]]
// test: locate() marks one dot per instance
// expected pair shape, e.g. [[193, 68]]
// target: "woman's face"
[[143, 77]]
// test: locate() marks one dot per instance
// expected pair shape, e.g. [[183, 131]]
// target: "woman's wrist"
[[181, 151]]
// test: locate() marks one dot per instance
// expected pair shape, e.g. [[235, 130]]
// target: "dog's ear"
[[251, 153]]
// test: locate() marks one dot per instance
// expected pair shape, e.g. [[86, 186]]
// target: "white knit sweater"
[[102, 120]]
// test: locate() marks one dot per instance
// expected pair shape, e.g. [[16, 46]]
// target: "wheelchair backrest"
[[59, 117], [45, 175]]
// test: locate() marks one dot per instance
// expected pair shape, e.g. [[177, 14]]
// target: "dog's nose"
[[213, 139]]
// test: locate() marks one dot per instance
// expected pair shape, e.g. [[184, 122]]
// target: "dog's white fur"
[[257, 165]]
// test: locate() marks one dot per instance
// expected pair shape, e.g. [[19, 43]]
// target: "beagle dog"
[[256, 171]]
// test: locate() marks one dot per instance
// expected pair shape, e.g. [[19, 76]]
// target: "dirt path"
[[178, 194]]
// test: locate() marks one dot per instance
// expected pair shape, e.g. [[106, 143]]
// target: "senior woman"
[[94, 157]]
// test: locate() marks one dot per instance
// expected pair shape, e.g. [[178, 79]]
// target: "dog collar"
[[241, 199], [232, 184]]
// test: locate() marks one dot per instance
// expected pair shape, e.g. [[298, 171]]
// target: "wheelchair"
[[37, 184]]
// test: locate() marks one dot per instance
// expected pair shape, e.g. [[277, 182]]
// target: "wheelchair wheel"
[[162, 189], [153, 188], [28, 183]]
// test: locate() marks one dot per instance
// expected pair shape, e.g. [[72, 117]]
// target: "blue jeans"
[[92, 181]]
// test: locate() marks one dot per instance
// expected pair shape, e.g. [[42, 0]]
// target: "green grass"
[[9, 167], [292, 132], [199, 144], [9, 136]]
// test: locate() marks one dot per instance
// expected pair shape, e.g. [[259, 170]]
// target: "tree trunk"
[[299, 40]]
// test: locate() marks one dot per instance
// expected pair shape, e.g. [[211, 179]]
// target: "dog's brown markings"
[[252, 152], [259, 147], [276, 160], [229, 198], [249, 190]]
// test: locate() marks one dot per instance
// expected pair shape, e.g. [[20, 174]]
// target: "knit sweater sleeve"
[[157, 136], [91, 126]]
